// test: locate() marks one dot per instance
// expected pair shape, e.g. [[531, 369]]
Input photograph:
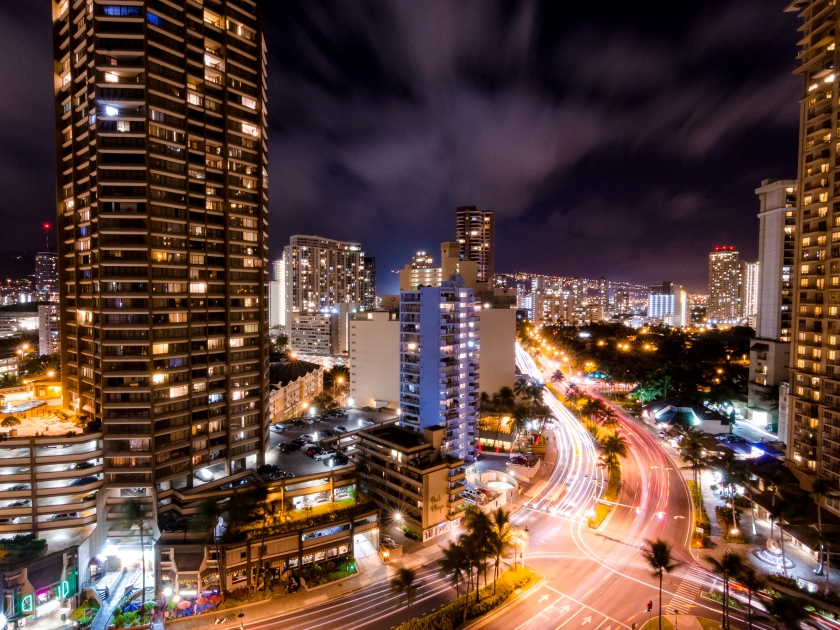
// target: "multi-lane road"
[[593, 579]]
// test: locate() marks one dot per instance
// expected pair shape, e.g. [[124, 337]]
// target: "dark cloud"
[[620, 139]]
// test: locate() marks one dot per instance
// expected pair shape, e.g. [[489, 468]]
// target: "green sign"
[[27, 604]]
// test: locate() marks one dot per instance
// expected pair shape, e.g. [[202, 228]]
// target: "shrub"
[[9, 421], [451, 615], [410, 533]]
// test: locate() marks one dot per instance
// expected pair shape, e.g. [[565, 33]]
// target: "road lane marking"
[[585, 606]]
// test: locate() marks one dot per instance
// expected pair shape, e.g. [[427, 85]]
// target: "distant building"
[[439, 346], [9, 366], [497, 362], [277, 295], [475, 231], [46, 276], [725, 291], [422, 272], [291, 385], [49, 327], [320, 273], [667, 304], [604, 293], [750, 272], [369, 292], [309, 335], [621, 302], [375, 359]]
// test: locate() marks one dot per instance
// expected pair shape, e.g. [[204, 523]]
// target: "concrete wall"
[[498, 345], [375, 360]]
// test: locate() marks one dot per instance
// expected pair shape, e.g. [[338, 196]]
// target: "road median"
[[511, 586]]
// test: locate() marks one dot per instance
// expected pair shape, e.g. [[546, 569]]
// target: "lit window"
[[110, 110], [160, 348], [250, 130], [198, 287], [249, 102], [153, 19]]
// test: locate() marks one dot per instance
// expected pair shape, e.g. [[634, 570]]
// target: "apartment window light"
[[110, 77], [110, 110]]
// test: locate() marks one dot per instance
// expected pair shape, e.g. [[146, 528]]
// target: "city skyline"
[[547, 210]]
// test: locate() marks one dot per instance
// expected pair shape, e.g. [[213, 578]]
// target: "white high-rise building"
[[751, 276], [439, 351], [277, 295]]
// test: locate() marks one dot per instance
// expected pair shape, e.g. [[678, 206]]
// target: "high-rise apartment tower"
[[322, 272], [725, 290], [814, 405], [163, 228], [475, 231]]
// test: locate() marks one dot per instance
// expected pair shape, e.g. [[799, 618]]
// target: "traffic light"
[[650, 605]]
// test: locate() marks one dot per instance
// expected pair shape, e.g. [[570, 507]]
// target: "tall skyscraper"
[[604, 293], [475, 231], [814, 424], [163, 213], [776, 245], [46, 276], [725, 280], [369, 293], [320, 273], [439, 346]]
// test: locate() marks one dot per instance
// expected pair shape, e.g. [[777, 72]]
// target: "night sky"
[[621, 140]]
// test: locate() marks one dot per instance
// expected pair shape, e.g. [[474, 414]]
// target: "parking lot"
[[300, 464]]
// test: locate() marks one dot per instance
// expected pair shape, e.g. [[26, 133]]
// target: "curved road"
[[594, 579]]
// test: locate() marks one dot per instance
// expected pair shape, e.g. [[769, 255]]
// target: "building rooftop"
[[403, 438], [282, 373]]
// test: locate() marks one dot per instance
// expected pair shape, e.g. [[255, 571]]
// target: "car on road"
[[289, 447]]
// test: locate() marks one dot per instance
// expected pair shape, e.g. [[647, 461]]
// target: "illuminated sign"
[[27, 604]]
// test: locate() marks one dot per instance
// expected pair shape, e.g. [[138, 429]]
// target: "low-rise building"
[[293, 384], [409, 477]]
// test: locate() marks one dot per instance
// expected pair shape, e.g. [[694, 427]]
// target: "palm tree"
[[480, 532], [500, 540], [454, 563], [751, 581], [821, 488], [613, 447], [777, 513], [732, 472], [658, 556], [134, 513], [785, 610], [610, 418], [729, 566], [558, 378], [403, 584]]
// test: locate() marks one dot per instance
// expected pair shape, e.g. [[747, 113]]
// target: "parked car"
[[327, 433], [21, 503], [277, 428], [313, 450], [337, 460], [204, 475], [299, 422], [83, 465], [322, 454], [299, 440], [288, 447], [83, 481], [9, 521], [341, 429], [267, 469], [19, 487], [64, 516]]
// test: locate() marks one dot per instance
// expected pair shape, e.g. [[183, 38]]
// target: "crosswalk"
[[689, 589]]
